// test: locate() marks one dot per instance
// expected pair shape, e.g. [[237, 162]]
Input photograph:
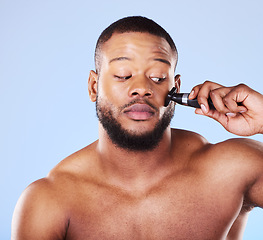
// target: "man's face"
[[136, 73]]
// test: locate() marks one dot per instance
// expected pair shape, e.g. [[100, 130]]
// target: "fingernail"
[[192, 92], [203, 107], [231, 114]]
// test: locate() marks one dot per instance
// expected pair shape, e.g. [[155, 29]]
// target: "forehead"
[[133, 43]]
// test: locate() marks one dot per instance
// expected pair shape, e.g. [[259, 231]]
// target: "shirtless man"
[[142, 179]]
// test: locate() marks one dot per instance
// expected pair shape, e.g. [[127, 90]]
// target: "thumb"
[[217, 116]]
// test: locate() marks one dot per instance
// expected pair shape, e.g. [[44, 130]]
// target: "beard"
[[130, 140]]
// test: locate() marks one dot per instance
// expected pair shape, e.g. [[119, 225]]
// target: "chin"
[[139, 127]]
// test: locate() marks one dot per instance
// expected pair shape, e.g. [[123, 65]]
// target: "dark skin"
[[185, 188]]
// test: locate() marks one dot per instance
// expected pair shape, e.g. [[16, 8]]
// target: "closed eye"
[[123, 77], [157, 79]]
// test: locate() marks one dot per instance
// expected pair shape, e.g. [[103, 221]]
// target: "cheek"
[[161, 94], [105, 106], [113, 92], [109, 97]]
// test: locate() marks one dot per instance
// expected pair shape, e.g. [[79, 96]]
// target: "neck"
[[125, 166]]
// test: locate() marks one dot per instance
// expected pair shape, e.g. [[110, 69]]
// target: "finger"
[[232, 105], [234, 98], [240, 92], [199, 111], [217, 116], [204, 93], [195, 90], [224, 100], [217, 96]]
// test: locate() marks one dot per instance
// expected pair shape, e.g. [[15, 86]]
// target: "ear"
[[177, 82], [93, 85]]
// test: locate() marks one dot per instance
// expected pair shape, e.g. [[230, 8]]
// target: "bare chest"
[[189, 210]]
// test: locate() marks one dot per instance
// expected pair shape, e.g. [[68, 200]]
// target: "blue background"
[[46, 52]]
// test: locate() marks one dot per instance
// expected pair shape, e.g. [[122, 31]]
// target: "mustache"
[[145, 101]]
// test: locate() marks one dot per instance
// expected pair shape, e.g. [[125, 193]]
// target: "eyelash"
[[158, 79], [123, 78], [152, 78]]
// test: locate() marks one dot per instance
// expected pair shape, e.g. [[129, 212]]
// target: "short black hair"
[[132, 24]]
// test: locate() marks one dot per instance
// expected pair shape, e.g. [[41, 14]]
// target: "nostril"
[[146, 94], [141, 92]]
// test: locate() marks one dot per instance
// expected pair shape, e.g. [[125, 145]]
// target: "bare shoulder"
[[77, 165], [244, 149], [43, 209], [241, 155], [189, 140], [38, 213], [243, 158], [232, 149], [187, 134], [238, 160]]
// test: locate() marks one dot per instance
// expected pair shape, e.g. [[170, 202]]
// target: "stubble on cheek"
[[131, 140]]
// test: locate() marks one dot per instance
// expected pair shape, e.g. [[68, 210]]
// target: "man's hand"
[[239, 109]]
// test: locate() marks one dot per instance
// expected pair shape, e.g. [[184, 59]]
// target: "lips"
[[139, 112]]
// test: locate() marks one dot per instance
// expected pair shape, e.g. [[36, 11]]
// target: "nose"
[[140, 87]]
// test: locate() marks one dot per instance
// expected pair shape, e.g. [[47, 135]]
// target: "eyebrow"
[[127, 58], [162, 60], [119, 59]]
